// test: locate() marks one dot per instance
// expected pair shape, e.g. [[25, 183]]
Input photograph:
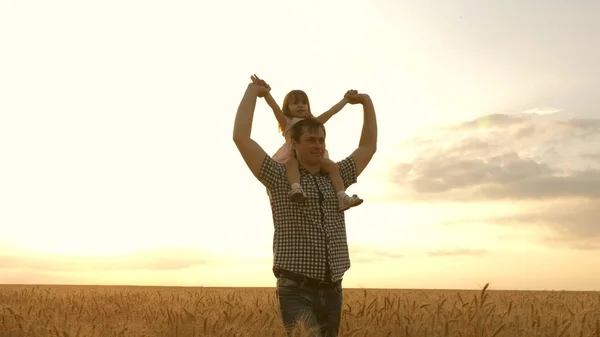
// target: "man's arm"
[[252, 153], [279, 115], [367, 145]]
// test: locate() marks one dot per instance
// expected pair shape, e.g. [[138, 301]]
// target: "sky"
[[118, 165]]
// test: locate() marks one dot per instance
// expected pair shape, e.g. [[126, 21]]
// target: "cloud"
[[10, 276], [492, 121], [363, 254], [592, 156], [159, 259], [573, 223], [508, 176], [457, 251], [526, 159], [542, 111]]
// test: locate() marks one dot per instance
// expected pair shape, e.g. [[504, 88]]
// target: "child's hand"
[[348, 94], [259, 90], [256, 80], [356, 98]]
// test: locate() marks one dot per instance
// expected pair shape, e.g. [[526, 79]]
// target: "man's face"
[[311, 147]]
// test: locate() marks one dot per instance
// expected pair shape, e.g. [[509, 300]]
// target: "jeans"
[[319, 309]]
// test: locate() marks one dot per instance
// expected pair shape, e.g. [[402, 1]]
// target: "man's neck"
[[313, 169]]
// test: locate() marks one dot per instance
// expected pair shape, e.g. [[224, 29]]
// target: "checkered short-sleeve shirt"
[[305, 232]]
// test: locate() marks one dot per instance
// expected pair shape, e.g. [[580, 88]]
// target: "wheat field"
[[94, 311]]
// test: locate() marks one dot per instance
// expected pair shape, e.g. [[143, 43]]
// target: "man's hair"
[[307, 124]]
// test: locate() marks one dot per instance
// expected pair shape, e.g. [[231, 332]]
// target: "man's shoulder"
[[348, 171], [271, 173], [347, 162], [270, 165]]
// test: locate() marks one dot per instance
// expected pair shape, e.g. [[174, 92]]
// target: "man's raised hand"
[[258, 89], [354, 97], [260, 82]]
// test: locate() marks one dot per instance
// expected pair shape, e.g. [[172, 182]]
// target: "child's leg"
[[292, 172], [333, 170]]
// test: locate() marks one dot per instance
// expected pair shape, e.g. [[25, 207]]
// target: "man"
[[310, 250]]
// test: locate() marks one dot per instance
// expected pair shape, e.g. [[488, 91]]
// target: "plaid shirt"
[[308, 235]]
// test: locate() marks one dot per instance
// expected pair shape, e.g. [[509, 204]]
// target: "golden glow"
[[116, 141]]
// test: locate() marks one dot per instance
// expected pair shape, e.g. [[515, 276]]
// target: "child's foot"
[[347, 201], [297, 194]]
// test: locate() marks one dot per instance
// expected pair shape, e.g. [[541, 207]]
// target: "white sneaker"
[[349, 201], [297, 195]]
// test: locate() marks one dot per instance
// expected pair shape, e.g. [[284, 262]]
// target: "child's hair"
[[294, 96]]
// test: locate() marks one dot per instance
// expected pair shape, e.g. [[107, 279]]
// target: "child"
[[295, 108]]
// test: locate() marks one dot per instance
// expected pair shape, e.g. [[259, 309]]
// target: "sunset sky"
[[118, 167]]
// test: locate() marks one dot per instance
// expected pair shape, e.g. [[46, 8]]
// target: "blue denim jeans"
[[319, 309]]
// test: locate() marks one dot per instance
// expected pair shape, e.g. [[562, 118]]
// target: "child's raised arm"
[[281, 119], [276, 110], [324, 117]]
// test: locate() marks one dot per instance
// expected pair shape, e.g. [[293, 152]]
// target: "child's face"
[[298, 109]]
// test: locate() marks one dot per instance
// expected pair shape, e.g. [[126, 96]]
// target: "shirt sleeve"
[[271, 172], [348, 171]]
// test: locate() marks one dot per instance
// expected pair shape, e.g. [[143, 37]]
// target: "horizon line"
[[273, 287]]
